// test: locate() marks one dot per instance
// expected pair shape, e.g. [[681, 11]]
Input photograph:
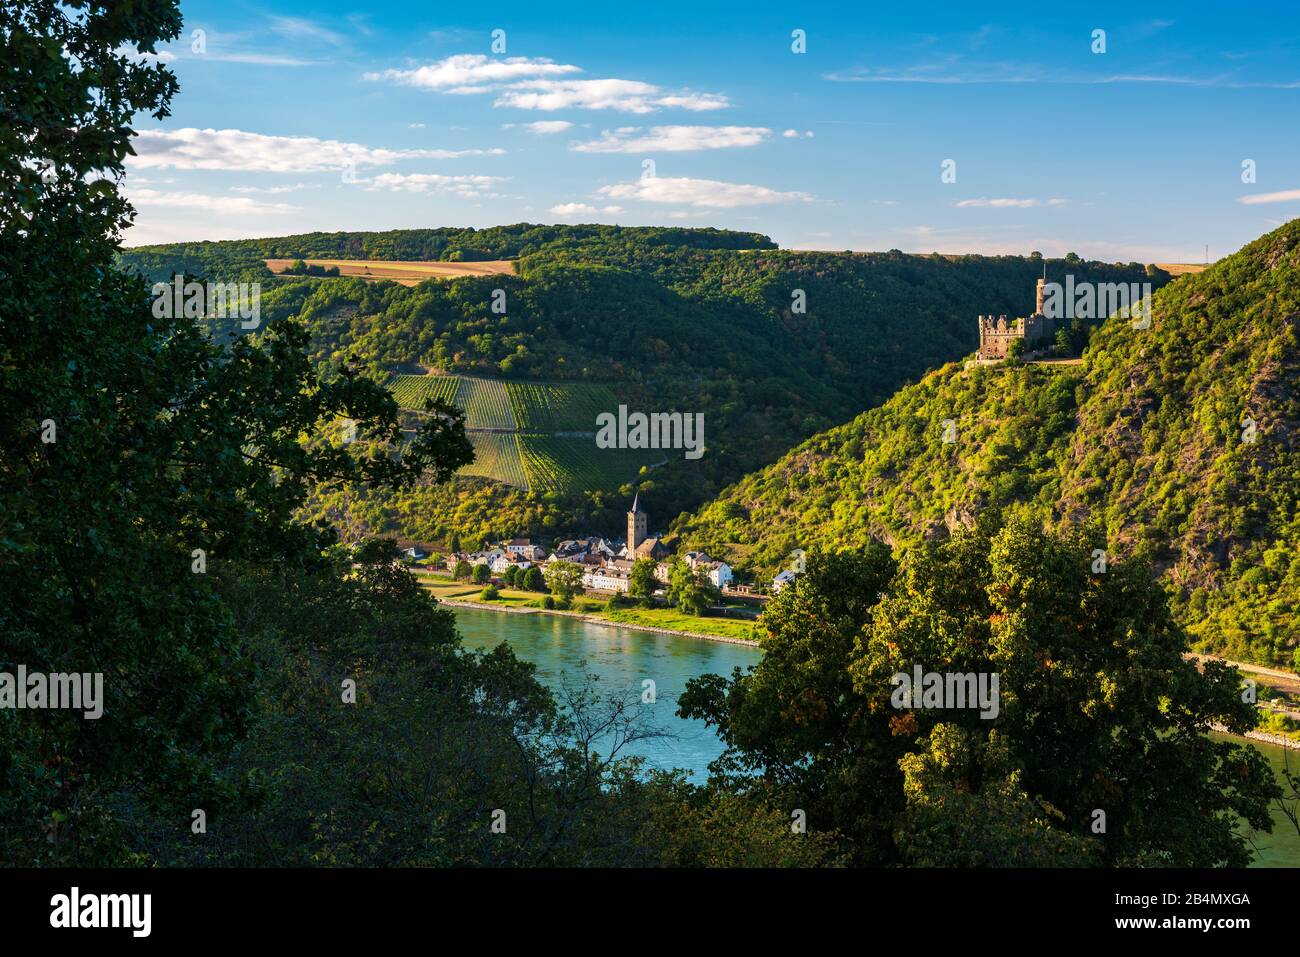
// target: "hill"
[[1179, 440], [769, 346]]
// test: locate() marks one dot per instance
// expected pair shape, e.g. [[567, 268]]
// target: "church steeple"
[[637, 522]]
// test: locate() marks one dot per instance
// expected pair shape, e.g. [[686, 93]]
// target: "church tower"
[[636, 525]]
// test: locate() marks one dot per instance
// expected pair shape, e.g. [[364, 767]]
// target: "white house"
[[719, 573], [783, 579], [524, 548], [614, 576]]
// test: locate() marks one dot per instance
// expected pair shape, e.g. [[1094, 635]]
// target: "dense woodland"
[[1178, 442]]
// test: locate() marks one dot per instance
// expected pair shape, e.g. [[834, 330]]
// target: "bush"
[[489, 594], [548, 602]]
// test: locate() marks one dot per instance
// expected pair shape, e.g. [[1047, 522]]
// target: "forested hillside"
[[770, 345], [1179, 441]]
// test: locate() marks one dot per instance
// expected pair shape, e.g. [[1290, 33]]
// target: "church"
[[638, 544]]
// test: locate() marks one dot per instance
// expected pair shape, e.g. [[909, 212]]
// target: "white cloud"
[[215, 204], [474, 72], [583, 209], [1285, 196], [700, 193], [465, 186], [192, 148], [660, 139], [628, 96], [415, 126], [543, 127], [537, 83], [795, 134], [1007, 203]]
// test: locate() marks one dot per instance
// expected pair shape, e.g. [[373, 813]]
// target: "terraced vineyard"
[[512, 427], [547, 407], [486, 404], [410, 391], [496, 456], [557, 463]]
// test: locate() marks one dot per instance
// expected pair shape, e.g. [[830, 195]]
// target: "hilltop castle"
[[997, 335]]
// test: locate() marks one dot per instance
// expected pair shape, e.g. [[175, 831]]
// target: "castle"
[[997, 335]]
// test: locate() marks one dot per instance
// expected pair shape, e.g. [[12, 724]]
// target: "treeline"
[[454, 244]]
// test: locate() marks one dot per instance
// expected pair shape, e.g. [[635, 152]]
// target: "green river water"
[[622, 658]]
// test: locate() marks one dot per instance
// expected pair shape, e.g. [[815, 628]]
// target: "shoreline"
[[1267, 737], [584, 616]]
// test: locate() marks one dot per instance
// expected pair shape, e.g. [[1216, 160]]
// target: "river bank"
[[593, 619]]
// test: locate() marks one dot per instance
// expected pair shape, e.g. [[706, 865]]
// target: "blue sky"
[[296, 117]]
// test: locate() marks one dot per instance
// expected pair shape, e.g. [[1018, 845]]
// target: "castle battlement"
[[996, 335]]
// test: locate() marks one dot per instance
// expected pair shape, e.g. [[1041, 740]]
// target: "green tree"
[[642, 582], [689, 590], [564, 579], [463, 570], [1090, 665], [480, 574], [534, 580], [511, 574], [143, 466]]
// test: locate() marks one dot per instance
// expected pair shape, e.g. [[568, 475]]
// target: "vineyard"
[[544, 407], [496, 456], [568, 464], [486, 404], [410, 391], [512, 424]]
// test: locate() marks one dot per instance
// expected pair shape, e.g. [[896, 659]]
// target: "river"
[[622, 658]]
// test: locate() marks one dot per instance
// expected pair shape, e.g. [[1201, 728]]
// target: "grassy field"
[[410, 391], [550, 407], [403, 273], [670, 618], [496, 456], [677, 621]]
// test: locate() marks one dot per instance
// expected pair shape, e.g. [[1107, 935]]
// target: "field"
[[544, 407], [556, 463], [403, 273], [410, 391], [513, 427], [1182, 269], [496, 456], [486, 404]]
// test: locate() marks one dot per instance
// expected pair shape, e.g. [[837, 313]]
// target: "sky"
[[1118, 132]]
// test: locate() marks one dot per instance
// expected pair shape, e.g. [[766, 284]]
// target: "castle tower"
[[636, 525], [1040, 296]]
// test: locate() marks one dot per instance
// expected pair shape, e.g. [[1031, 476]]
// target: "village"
[[606, 563]]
